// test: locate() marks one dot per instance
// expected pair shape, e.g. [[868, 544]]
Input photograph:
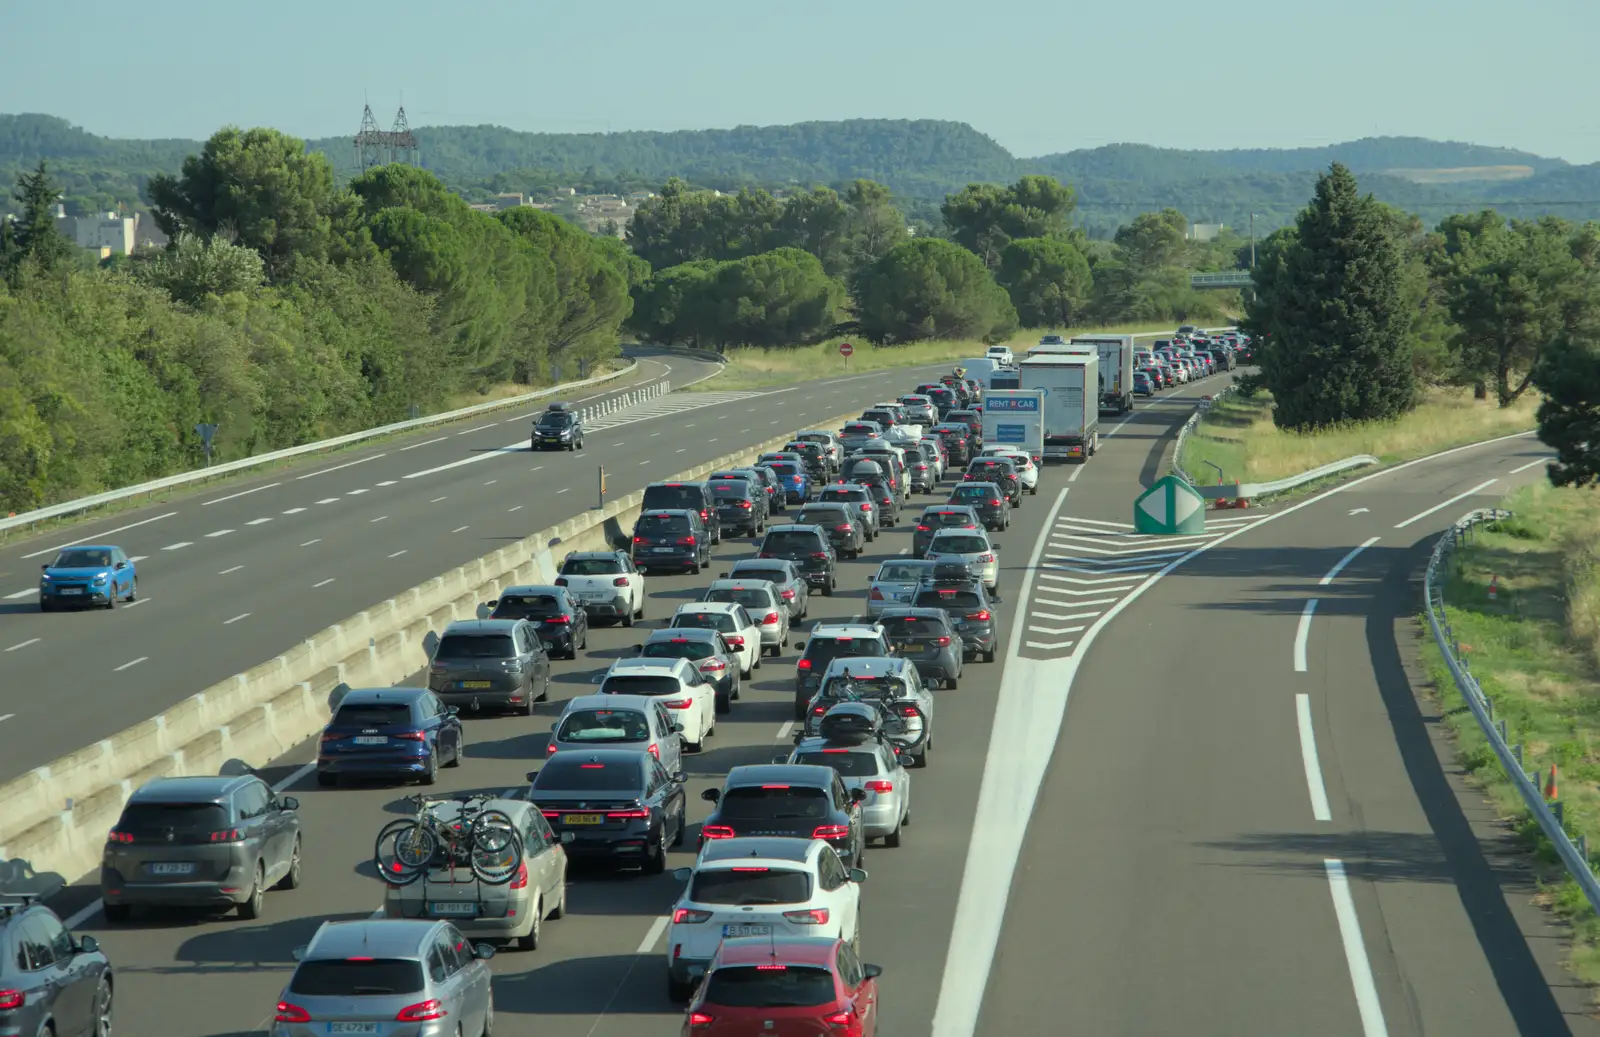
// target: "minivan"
[[684, 496]]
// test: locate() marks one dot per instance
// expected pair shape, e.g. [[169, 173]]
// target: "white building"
[[105, 230]]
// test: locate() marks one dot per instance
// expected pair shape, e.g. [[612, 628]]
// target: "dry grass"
[[1238, 434], [1535, 652], [508, 390]]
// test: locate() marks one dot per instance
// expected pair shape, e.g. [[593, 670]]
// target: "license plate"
[[582, 819], [453, 908], [352, 1028], [593, 596], [747, 930], [476, 684], [171, 869], [371, 739], [72, 590]]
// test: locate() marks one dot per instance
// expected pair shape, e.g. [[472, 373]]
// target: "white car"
[[1001, 355], [758, 886], [1024, 464], [690, 699], [761, 600], [605, 584], [970, 547], [730, 619]]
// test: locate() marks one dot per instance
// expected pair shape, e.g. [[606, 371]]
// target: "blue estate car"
[[93, 575], [404, 733]]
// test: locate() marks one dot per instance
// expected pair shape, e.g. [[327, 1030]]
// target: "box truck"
[[1070, 383], [1116, 369], [1015, 417]]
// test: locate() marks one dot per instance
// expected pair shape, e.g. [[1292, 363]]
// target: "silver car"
[[514, 911], [620, 722], [971, 547], [934, 459], [920, 409], [895, 583], [875, 768], [782, 574], [387, 977], [760, 599], [858, 433], [890, 684], [859, 497]]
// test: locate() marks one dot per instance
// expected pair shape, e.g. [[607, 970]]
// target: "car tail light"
[[627, 815], [764, 554], [844, 526], [329, 736], [770, 619], [689, 916], [420, 1012], [880, 786], [866, 508], [844, 1018], [286, 1013], [982, 616], [811, 916], [986, 558], [546, 813], [410, 736], [227, 835], [996, 502], [679, 704], [638, 540], [687, 541], [561, 581], [924, 529], [746, 505], [803, 664], [119, 837], [1037, 459], [716, 832], [712, 666], [620, 581], [703, 516], [819, 554], [734, 639], [877, 595], [700, 1019], [654, 750], [943, 641], [831, 832], [521, 881], [819, 711], [909, 710], [550, 748], [786, 595]]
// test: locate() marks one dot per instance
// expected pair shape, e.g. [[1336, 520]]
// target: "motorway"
[[1195, 852]]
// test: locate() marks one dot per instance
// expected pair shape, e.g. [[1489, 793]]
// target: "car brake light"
[[521, 881], [620, 581], [819, 711], [995, 503], [713, 665], [786, 595], [689, 916], [803, 664], [844, 1018], [700, 1019], [703, 516], [410, 736], [420, 1012], [119, 837], [877, 595], [844, 526], [924, 529], [811, 916], [679, 704], [654, 750], [866, 507], [286, 1013], [550, 748], [986, 558], [734, 639], [687, 541], [943, 641], [716, 832], [981, 617], [770, 619], [561, 581], [638, 540], [227, 835], [745, 505], [880, 786], [627, 815], [831, 832]]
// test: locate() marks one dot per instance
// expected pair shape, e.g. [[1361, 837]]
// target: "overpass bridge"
[[1222, 279]]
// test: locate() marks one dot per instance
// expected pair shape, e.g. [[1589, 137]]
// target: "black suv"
[[988, 500], [929, 640], [1001, 471], [942, 516], [827, 642], [809, 548], [968, 607], [685, 496], [558, 427], [741, 505], [974, 422], [957, 439], [788, 799], [844, 525], [670, 539]]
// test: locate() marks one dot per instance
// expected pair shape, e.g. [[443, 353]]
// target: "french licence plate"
[[172, 869], [475, 684], [581, 819], [661, 550], [371, 740], [747, 930], [352, 1028], [453, 908], [72, 590]]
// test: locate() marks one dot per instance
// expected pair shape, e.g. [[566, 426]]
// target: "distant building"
[[509, 201], [488, 207], [1206, 231], [106, 230]]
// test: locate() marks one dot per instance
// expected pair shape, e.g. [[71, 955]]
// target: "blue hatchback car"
[[390, 733], [89, 575], [792, 476]]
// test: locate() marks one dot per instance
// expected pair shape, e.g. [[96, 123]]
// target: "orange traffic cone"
[[1552, 791], [1494, 588]]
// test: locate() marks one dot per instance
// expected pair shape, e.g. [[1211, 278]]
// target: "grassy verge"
[[1535, 650], [1238, 435], [768, 368]]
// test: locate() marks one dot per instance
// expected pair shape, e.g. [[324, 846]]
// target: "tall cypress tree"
[[33, 237], [1334, 308]]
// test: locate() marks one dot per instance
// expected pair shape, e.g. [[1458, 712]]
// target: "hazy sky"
[[1037, 75]]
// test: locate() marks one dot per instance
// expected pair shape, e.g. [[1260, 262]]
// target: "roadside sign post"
[[602, 503], [1170, 508], [206, 433], [846, 350]]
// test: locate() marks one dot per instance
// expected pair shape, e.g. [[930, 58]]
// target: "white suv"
[[758, 886], [1001, 355], [689, 699], [730, 619]]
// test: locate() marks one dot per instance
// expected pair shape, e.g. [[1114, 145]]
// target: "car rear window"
[[751, 886], [677, 649], [973, 491], [475, 646], [528, 606], [600, 726], [947, 518], [577, 773], [761, 986], [774, 801], [948, 599], [661, 525], [791, 540], [749, 597], [372, 714], [848, 764], [899, 572], [672, 498], [782, 467], [730, 490], [823, 516], [144, 820], [845, 496], [720, 621], [959, 544], [822, 649], [775, 576], [591, 567], [912, 626], [640, 684], [356, 977], [856, 428], [842, 688]]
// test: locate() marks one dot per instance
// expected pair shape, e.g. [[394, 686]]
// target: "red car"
[[788, 987]]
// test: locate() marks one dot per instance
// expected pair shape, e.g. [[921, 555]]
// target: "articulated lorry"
[[1015, 417], [1069, 382], [1116, 369]]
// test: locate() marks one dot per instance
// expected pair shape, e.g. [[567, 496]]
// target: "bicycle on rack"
[[478, 837]]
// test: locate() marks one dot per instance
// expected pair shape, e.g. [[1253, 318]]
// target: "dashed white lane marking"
[[293, 511], [655, 434], [680, 450], [491, 482], [258, 522], [564, 489], [437, 500], [218, 533], [459, 529], [537, 468], [1076, 472], [136, 604], [308, 543], [235, 619], [241, 493], [1355, 953], [324, 583], [1445, 504], [388, 482], [657, 927], [480, 428], [1308, 754], [643, 463], [106, 533], [130, 665], [690, 425], [23, 644], [430, 442], [786, 730], [617, 444], [1302, 634], [1530, 464], [400, 552], [510, 510], [339, 468], [355, 493], [380, 518], [179, 546], [711, 441], [233, 570], [22, 594], [5, 717], [328, 500]]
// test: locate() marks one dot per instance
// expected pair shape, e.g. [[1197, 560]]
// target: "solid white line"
[[400, 552], [258, 522], [308, 543], [786, 730], [1530, 464], [23, 644], [22, 594], [1346, 560], [106, 533], [657, 927], [1355, 953], [339, 468], [180, 545], [324, 583], [219, 533], [1445, 504], [430, 442], [1301, 635], [1308, 754], [235, 619], [233, 570], [136, 662], [241, 493]]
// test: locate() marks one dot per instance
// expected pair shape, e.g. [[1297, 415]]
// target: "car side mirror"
[[120, 566], [683, 874], [677, 729], [780, 758], [857, 875], [799, 646], [638, 649], [288, 803], [491, 603], [871, 971], [995, 546], [299, 953], [711, 795], [531, 775], [857, 795], [45, 567], [483, 951], [568, 837], [87, 945], [722, 576], [554, 724]]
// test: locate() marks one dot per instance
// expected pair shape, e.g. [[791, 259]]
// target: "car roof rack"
[[21, 886]]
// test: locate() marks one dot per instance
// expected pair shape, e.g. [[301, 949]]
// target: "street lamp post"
[[1252, 241]]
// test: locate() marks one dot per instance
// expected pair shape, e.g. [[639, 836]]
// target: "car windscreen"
[[528, 606], [356, 977], [591, 567], [749, 597], [146, 820], [748, 887], [578, 773], [777, 577], [682, 648], [82, 559], [791, 541], [475, 646], [848, 764], [641, 684], [945, 598], [600, 726], [912, 626], [671, 498], [731, 490], [555, 419], [372, 714], [761, 986], [959, 544], [662, 525], [750, 802], [705, 621]]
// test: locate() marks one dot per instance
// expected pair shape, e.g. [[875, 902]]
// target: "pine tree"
[[1569, 418], [33, 238], [1334, 308]]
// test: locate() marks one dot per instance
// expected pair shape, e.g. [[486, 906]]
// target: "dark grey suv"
[[201, 842], [51, 982], [490, 662]]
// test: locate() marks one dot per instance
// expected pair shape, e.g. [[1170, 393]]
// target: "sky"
[[1038, 76]]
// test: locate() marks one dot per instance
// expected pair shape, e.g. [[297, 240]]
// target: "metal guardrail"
[[1574, 855], [72, 507], [1263, 489], [1201, 406]]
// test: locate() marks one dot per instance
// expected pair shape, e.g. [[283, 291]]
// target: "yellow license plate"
[[475, 684], [582, 819]]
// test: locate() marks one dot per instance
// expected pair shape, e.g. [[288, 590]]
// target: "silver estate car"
[[970, 546], [761, 599], [638, 722], [873, 767], [388, 977]]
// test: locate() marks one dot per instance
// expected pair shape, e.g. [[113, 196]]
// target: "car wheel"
[[1033, 491], [757, 664], [892, 840], [133, 589], [251, 908], [627, 619], [679, 992], [694, 570], [530, 942], [488, 1017], [560, 910], [459, 749], [950, 684], [745, 674], [291, 879], [327, 779], [111, 599], [102, 1010], [46, 606], [724, 706], [683, 826], [638, 613], [988, 655], [117, 912], [827, 589], [656, 863], [431, 775]]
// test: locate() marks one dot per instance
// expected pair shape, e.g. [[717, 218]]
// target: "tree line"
[[1359, 307]]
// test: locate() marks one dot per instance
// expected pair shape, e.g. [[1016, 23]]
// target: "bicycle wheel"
[[498, 858], [403, 850]]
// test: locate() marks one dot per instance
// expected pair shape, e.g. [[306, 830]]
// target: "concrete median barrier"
[[57, 815]]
